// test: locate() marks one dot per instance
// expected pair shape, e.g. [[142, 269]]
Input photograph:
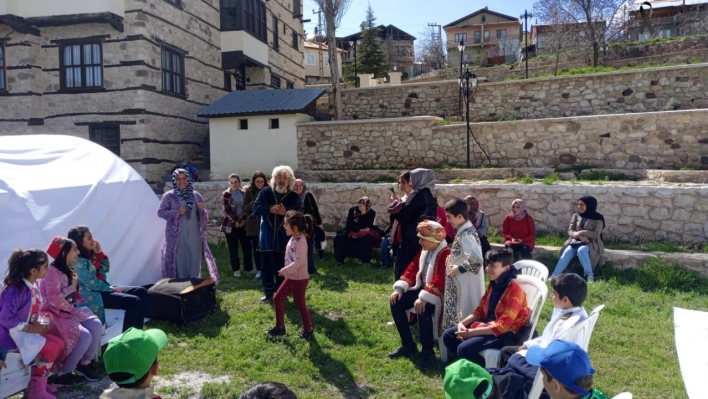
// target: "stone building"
[[398, 45], [131, 75]]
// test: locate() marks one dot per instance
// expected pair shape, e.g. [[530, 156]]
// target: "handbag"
[[575, 243]]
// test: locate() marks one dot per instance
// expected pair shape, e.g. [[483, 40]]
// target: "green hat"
[[463, 379], [133, 352]]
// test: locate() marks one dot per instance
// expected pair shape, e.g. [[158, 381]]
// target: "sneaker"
[[266, 298], [391, 323], [425, 361], [237, 273], [251, 271], [591, 279], [68, 379], [87, 372], [276, 331], [404, 350], [258, 276], [304, 334]]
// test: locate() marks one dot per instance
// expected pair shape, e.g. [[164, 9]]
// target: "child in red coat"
[[422, 287]]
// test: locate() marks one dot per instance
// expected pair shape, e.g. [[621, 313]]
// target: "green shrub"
[[527, 180], [601, 175], [385, 179], [551, 179], [456, 180]]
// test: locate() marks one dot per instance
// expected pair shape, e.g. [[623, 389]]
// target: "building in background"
[[317, 63], [398, 45], [131, 75], [669, 18], [567, 35], [485, 34]]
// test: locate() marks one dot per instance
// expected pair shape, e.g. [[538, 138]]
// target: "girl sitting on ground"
[[299, 227], [20, 325]]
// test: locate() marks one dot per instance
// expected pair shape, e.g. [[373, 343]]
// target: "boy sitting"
[[131, 362], [464, 284], [421, 286], [567, 371], [497, 320]]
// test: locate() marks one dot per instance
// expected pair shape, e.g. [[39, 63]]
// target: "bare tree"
[[595, 15], [695, 22], [333, 11], [429, 52], [557, 35]]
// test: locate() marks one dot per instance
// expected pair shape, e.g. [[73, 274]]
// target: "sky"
[[413, 16]]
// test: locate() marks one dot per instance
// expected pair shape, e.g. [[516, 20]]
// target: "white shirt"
[[564, 320]]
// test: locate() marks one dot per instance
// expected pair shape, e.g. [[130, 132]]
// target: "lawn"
[[632, 347]]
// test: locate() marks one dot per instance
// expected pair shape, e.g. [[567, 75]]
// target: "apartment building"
[[131, 75], [485, 33], [398, 46], [317, 66]]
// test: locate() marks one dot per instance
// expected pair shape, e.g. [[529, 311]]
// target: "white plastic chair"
[[536, 294], [623, 395], [532, 268], [585, 327]]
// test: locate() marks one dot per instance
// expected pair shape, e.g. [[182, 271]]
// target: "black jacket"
[[310, 208]]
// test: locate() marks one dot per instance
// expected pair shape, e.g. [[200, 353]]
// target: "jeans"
[[238, 235], [385, 246], [256, 254], [425, 321], [469, 349], [271, 263], [132, 300], [583, 254]]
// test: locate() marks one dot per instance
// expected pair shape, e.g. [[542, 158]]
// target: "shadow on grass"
[[210, 326], [336, 373]]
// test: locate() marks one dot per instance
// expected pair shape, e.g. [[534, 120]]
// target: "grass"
[[603, 69], [456, 180], [601, 175], [526, 180], [551, 179], [448, 121], [347, 358]]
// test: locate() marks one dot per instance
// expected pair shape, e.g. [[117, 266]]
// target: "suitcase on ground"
[[180, 301]]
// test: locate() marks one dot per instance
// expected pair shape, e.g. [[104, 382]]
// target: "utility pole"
[[319, 29], [526, 15], [436, 41]]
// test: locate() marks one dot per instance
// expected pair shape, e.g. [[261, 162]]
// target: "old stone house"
[[132, 75], [398, 45]]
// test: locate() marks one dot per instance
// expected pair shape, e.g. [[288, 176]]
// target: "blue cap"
[[565, 361]]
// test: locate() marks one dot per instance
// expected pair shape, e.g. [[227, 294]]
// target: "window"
[[81, 65], [289, 85], [297, 9], [231, 14], [2, 67], [310, 59], [274, 123], [243, 124], [274, 82], [241, 78], [486, 34], [326, 61], [460, 37], [467, 58], [247, 15], [296, 40], [395, 50], [227, 80], [276, 44], [477, 35], [664, 33], [172, 71], [106, 135], [501, 34]]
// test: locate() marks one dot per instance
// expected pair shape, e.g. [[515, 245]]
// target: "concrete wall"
[[672, 139], [259, 148], [678, 214]]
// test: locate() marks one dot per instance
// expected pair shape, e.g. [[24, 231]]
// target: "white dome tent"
[[51, 183]]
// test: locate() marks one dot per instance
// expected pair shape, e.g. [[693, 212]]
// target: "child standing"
[[20, 324], [479, 221], [298, 227], [464, 282], [79, 328], [501, 313]]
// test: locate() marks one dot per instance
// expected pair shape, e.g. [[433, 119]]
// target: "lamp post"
[[356, 76], [460, 47], [468, 84], [526, 15]]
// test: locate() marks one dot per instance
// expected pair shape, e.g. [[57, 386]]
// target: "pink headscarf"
[[304, 187]]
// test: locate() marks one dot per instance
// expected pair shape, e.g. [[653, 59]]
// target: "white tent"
[[51, 183]]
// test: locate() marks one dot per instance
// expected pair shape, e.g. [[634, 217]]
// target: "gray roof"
[[262, 102]]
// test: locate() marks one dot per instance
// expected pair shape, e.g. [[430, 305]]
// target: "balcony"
[[239, 47], [60, 8], [452, 44]]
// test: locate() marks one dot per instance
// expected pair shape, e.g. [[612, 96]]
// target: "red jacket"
[[433, 284], [442, 219], [522, 229], [512, 310]]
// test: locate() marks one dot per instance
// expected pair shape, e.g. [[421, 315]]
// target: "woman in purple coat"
[[185, 232]]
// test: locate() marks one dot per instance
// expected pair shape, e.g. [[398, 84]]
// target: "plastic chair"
[[623, 395], [536, 294], [585, 327], [532, 268]]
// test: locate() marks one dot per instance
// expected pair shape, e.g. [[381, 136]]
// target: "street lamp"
[[468, 84], [526, 15], [460, 47], [356, 76]]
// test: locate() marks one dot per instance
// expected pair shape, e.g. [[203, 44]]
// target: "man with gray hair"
[[271, 205]]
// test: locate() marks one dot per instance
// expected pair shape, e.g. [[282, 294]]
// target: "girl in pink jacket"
[[299, 227]]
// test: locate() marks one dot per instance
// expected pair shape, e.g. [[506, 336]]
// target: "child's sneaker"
[[87, 372], [591, 279], [304, 334], [68, 379], [276, 331], [237, 273], [258, 276]]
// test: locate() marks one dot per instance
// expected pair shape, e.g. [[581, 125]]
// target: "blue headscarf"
[[187, 194]]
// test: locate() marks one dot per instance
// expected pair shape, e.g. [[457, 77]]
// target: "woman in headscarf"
[[420, 205], [360, 235], [253, 221], [479, 221], [185, 231], [519, 230], [585, 239], [310, 208]]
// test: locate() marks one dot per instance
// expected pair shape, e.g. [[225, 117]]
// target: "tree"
[[333, 11], [371, 57], [430, 52], [595, 16], [559, 34]]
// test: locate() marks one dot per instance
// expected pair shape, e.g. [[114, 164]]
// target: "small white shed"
[[256, 129]]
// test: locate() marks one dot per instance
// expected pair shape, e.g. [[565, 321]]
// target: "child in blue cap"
[[567, 372]]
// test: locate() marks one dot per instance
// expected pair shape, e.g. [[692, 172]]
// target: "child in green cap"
[[131, 362], [467, 380]]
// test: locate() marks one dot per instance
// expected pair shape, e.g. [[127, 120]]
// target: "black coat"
[[365, 221], [310, 208], [420, 205]]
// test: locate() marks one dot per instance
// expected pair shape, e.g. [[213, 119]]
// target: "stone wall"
[[643, 90], [671, 139], [678, 214]]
